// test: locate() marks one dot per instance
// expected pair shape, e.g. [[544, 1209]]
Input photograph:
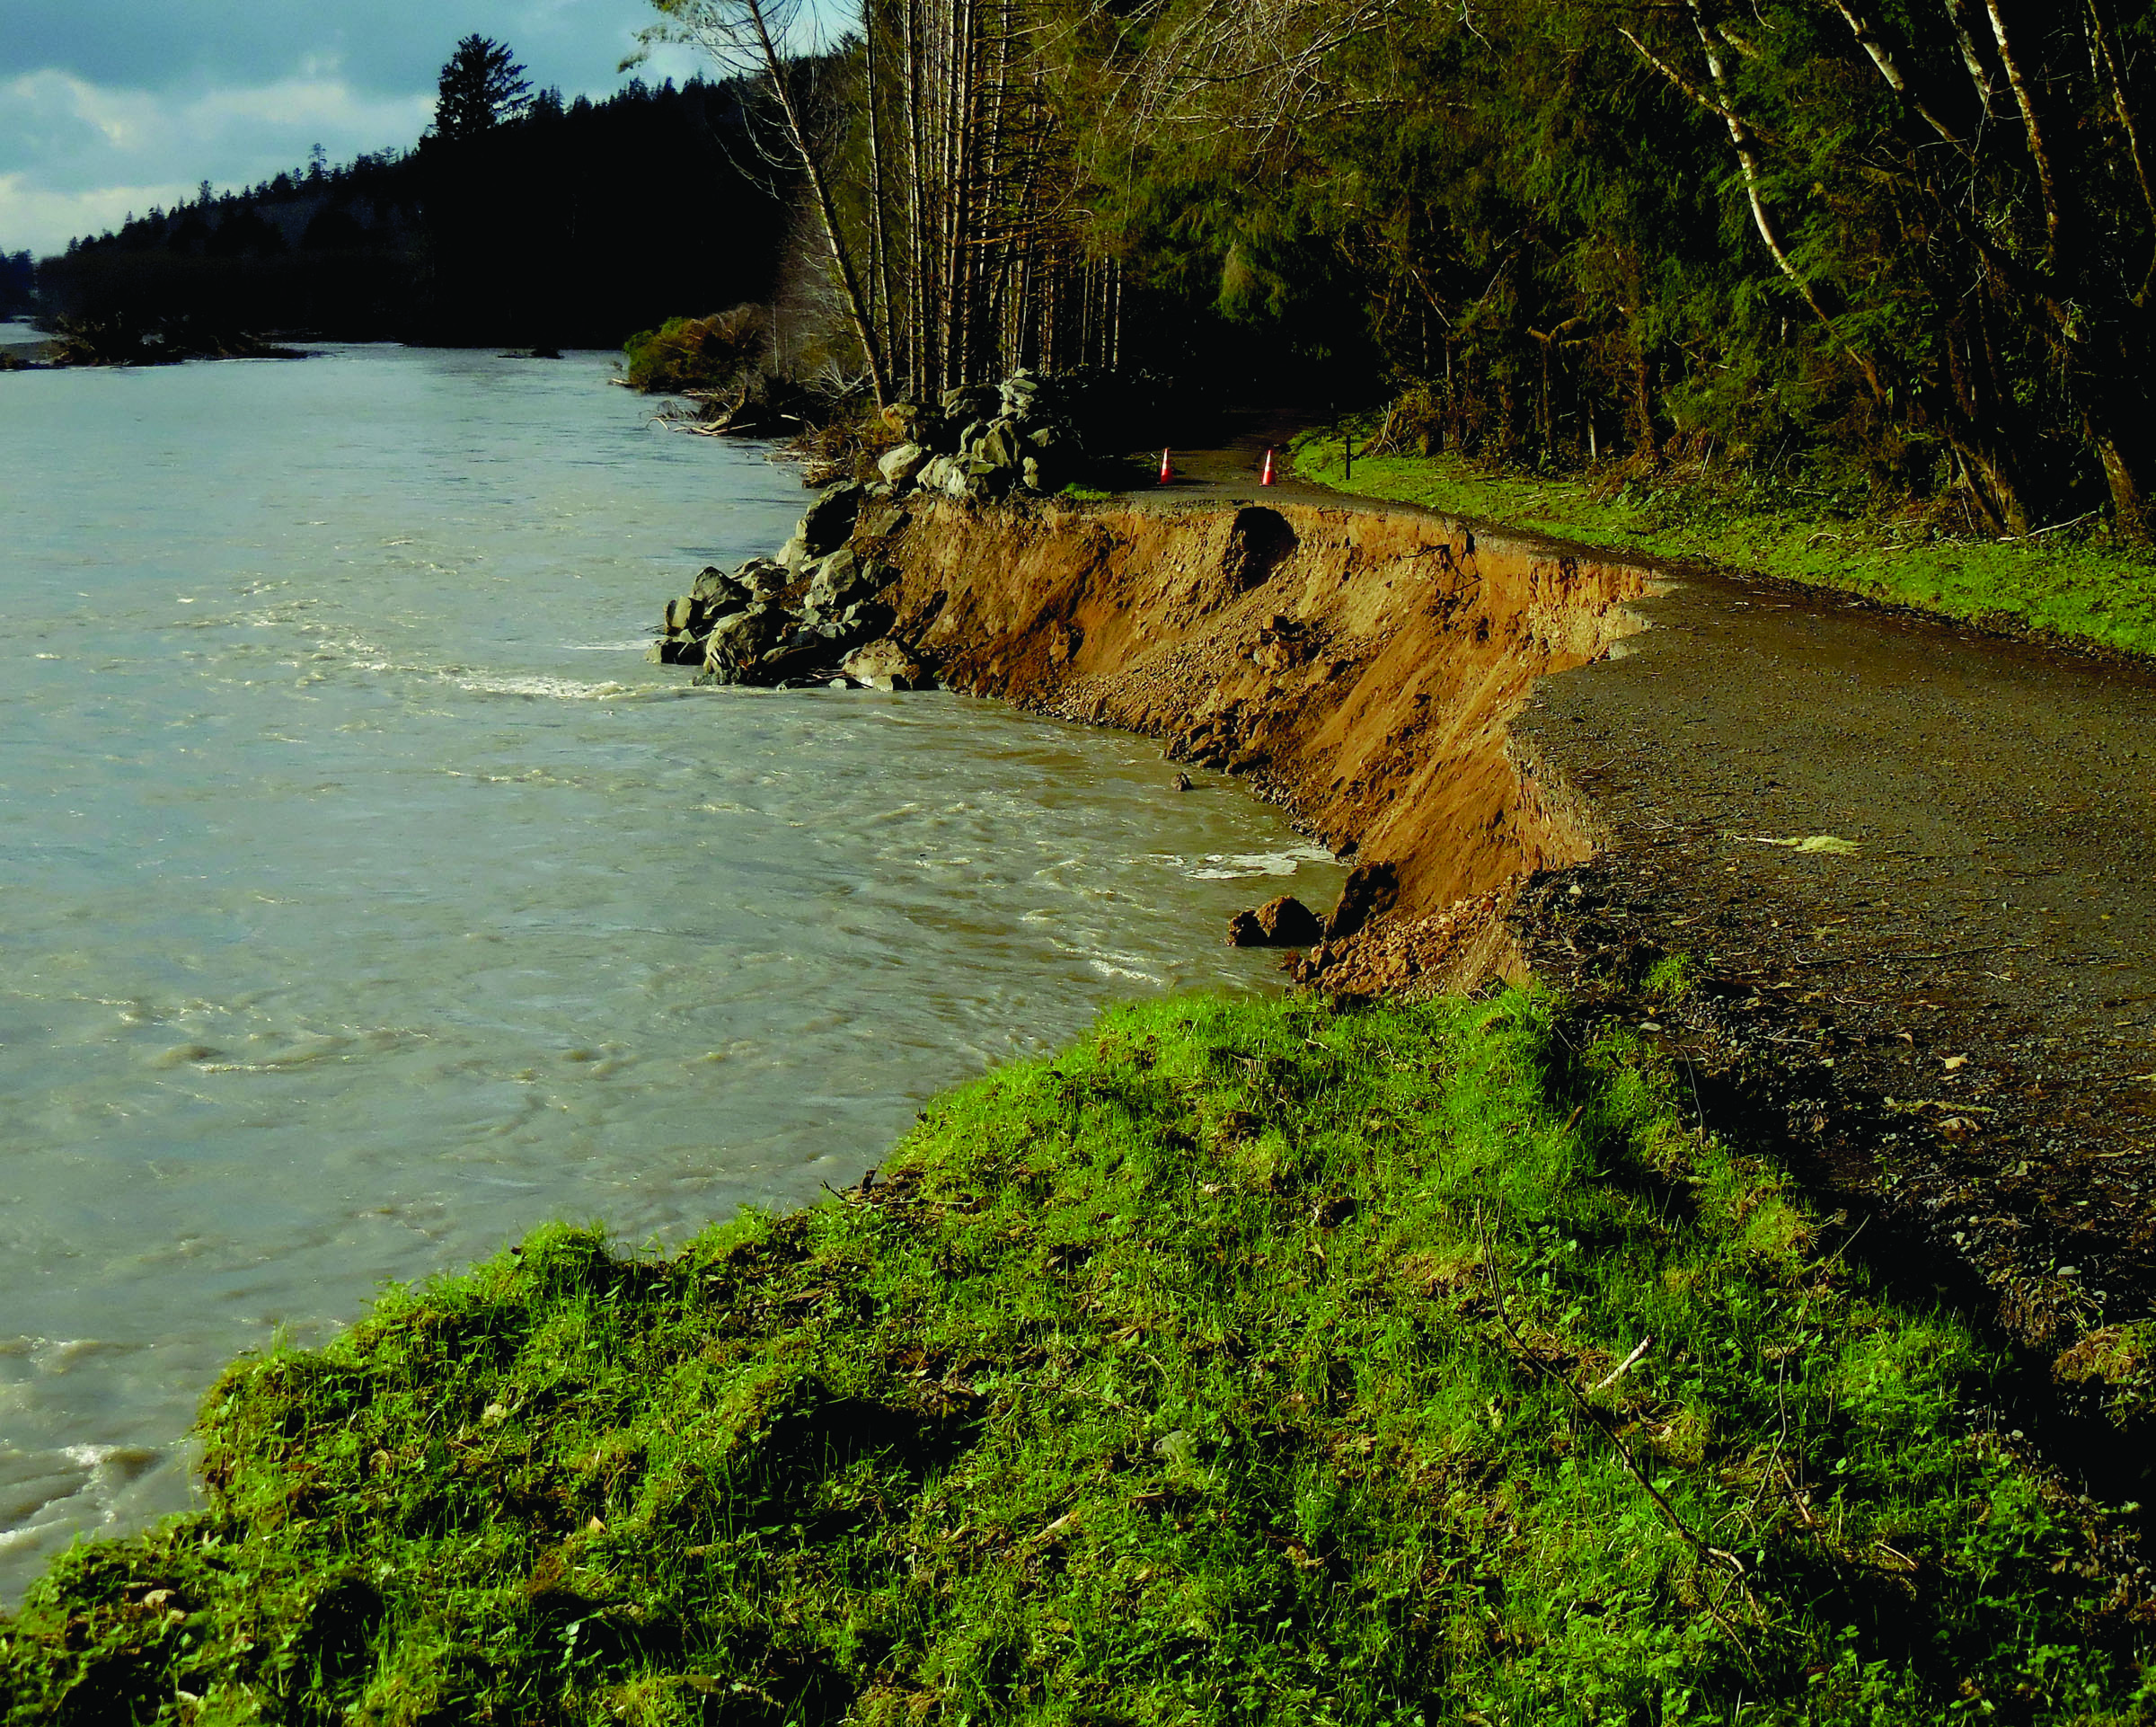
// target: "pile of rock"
[[816, 613], [984, 442], [812, 615]]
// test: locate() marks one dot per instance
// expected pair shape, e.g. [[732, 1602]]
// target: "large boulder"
[[1284, 921], [716, 593], [885, 664], [907, 420], [946, 474], [1020, 390], [838, 581], [763, 578], [970, 401], [738, 643], [1370, 890], [1287, 922], [901, 467], [829, 521]]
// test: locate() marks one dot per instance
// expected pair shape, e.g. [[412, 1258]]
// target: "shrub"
[[689, 354]]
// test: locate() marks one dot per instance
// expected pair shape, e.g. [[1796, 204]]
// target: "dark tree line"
[[18, 283], [1919, 234], [1911, 239], [517, 220]]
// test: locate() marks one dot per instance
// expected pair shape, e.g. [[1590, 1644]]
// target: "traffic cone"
[[1265, 479], [1167, 468]]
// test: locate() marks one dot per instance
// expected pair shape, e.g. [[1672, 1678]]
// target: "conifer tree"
[[481, 87]]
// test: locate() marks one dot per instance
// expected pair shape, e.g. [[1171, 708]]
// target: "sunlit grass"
[[1248, 1361], [2080, 589]]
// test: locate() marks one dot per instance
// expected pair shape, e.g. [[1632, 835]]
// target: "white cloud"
[[34, 218], [77, 157]]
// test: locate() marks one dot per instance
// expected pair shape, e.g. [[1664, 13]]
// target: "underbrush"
[[1247, 1362], [2075, 584], [688, 354]]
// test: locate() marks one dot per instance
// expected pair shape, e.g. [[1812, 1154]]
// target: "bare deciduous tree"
[[763, 41]]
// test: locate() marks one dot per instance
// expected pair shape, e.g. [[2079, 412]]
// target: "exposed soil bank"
[[1358, 668], [1948, 1028]]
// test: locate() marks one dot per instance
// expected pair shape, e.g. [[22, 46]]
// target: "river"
[[365, 899]]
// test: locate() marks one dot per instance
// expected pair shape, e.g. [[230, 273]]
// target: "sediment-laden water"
[[365, 899]]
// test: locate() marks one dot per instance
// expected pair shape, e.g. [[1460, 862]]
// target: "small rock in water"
[[1182, 783]]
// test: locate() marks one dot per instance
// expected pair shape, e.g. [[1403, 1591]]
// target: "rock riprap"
[[800, 618], [815, 613], [984, 441]]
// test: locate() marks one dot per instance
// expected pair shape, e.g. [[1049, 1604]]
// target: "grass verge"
[[2081, 590], [1248, 1363]]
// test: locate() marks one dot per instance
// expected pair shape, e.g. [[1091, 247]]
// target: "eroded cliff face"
[[1359, 668]]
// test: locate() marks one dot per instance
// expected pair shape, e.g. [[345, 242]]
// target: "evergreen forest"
[[18, 279], [1901, 246], [550, 224], [1910, 242]]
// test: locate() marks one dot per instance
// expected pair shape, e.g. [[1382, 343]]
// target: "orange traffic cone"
[[1265, 479], [1167, 468]]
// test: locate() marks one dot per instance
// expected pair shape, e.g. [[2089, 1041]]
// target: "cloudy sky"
[[108, 106]]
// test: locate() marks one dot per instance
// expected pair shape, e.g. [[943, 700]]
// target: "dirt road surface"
[[1909, 871]]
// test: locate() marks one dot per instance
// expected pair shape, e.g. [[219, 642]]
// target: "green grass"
[[1248, 1363], [2080, 589]]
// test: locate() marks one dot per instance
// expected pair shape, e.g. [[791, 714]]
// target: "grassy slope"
[[2078, 590], [1248, 1363]]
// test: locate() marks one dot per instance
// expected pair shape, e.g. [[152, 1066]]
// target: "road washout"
[[1634, 836], [1359, 668]]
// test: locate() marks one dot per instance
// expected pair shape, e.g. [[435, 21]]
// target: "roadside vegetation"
[[2079, 585], [1248, 1361]]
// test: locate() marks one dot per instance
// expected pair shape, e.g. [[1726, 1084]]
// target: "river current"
[[365, 899]]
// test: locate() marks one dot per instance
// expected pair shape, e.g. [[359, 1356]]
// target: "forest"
[[1912, 241], [18, 281], [545, 224]]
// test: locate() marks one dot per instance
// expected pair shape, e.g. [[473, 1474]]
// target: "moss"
[[1248, 1361], [2083, 589]]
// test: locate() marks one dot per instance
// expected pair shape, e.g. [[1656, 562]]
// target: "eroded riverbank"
[[368, 901], [1880, 883], [1329, 1340], [1360, 668]]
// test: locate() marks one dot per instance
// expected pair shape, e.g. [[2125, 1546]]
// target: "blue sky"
[[108, 106]]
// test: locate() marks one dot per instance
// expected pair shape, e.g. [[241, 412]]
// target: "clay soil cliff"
[[1359, 668]]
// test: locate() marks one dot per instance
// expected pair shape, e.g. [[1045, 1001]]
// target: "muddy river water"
[[365, 899]]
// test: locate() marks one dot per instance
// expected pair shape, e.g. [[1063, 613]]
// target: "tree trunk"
[[819, 185]]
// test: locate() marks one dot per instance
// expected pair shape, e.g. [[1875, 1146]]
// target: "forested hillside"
[[559, 224], [1913, 241]]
